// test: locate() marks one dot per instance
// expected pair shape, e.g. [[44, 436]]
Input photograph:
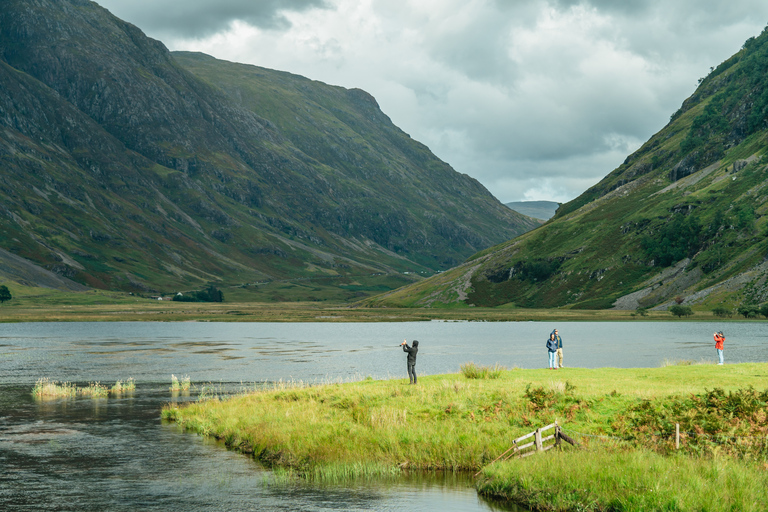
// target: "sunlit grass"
[[627, 479], [472, 371], [446, 422]]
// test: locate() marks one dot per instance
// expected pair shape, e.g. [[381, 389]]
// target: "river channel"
[[115, 454]]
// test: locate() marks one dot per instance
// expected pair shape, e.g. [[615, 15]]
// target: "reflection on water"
[[115, 454]]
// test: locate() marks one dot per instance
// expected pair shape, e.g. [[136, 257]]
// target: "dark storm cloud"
[[201, 18]]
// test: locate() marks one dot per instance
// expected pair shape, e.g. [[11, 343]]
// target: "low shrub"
[[680, 311], [472, 371]]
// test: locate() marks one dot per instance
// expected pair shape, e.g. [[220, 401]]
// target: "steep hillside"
[[684, 218], [122, 167]]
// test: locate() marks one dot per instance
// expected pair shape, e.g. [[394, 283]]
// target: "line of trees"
[[210, 294]]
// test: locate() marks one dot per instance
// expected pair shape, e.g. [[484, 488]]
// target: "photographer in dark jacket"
[[411, 358]]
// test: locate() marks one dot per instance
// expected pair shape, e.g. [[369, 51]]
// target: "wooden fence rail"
[[535, 446]]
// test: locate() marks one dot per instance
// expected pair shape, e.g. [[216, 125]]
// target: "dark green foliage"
[[745, 216], [5, 294], [528, 270], [722, 312], [681, 311], [676, 239], [749, 310], [764, 310], [535, 270], [714, 420], [210, 294], [540, 398]]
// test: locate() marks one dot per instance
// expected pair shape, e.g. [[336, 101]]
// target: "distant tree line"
[[210, 294], [752, 310]]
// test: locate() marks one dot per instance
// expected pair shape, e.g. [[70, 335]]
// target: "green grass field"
[[621, 417]]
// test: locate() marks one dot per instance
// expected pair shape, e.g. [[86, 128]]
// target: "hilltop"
[[682, 219], [127, 167]]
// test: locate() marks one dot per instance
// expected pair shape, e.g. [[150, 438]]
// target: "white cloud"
[[536, 99]]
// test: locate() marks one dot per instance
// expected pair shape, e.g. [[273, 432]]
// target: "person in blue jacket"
[[552, 350], [412, 351]]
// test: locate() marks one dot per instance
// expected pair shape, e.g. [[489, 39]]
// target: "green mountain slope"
[[123, 166], [684, 218]]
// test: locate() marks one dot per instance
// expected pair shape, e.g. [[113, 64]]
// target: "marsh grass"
[[45, 388], [340, 473], [123, 387], [180, 385], [94, 390], [472, 371]]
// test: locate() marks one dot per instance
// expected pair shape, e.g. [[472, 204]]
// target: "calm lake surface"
[[115, 454]]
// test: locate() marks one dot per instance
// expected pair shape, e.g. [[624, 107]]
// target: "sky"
[[536, 99]]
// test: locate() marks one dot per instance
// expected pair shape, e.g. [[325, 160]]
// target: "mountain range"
[[681, 220], [125, 166], [543, 210]]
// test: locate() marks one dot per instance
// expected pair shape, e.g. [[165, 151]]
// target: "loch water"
[[114, 454]]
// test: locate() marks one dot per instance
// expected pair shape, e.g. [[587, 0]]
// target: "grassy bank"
[[452, 422], [623, 479], [114, 307]]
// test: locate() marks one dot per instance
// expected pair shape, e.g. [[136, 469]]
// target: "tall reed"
[[123, 387], [180, 385], [94, 390], [46, 388]]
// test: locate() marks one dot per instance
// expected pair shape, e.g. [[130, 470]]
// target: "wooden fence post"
[[677, 436], [539, 447]]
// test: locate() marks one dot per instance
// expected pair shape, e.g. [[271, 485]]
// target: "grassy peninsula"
[[623, 420]]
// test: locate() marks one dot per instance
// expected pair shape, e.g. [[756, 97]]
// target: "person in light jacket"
[[559, 348], [412, 351], [552, 350]]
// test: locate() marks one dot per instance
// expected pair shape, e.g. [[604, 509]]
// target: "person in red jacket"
[[719, 340]]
